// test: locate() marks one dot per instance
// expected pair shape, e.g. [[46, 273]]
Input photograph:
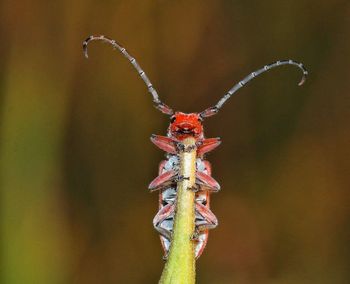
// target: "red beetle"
[[182, 126]]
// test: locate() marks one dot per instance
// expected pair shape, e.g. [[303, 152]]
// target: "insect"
[[184, 125]]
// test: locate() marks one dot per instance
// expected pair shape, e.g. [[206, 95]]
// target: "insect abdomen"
[[204, 218]]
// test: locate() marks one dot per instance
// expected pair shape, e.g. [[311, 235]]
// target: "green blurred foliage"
[[75, 155]]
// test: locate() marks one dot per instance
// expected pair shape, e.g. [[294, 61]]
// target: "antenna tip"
[[303, 79], [85, 49], [85, 44], [305, 73]]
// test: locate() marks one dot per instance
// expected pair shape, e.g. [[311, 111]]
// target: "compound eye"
[[172, 119]]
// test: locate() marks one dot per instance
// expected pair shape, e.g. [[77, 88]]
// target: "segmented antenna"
[[213, 110], [157, 102]]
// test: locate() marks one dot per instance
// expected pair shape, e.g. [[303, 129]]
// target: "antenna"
[[157, 102], [214, 109]]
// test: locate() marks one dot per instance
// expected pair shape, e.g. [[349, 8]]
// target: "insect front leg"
[[208, 145], [195, 188], [165, 143]]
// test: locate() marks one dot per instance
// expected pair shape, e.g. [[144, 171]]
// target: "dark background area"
[[76, 159]]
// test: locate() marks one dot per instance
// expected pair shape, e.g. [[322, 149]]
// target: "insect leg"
[[164, 143], [205, 220], [208, 145], [163, 180], [201, 242], [207, 182]]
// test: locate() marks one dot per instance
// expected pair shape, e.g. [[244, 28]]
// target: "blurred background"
[[76, 157]]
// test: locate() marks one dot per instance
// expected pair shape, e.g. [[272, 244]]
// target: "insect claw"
[[195, 236], [193, 188], [165, 257], [180, 146], [181, 178], [190, 148]]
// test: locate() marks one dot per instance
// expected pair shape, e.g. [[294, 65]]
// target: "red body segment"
[[185, 125]]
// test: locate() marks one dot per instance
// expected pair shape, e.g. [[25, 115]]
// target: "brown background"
[[76, 157]]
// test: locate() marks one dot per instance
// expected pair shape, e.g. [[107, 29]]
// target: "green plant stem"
[[180, 266]]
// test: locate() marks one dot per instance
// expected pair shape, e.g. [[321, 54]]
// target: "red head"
[[185, 125]]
